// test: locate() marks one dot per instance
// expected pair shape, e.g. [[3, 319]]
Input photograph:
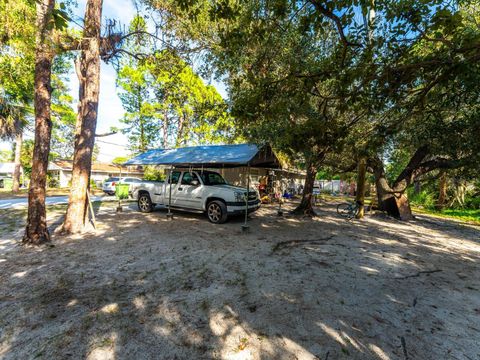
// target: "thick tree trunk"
[[442, 193], [87, 119], [18, 163], [391, 200], [36, 231], [360, 197], [305, 207]]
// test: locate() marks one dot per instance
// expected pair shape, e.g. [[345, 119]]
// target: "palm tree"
[[12, 124]]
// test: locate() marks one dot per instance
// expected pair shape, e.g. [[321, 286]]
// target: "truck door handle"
[[180, 189]]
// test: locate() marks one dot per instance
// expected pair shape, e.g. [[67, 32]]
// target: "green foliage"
[[52, 181], [166, 103], [6, 156], [424, 198], [26, 157], [472, 201], [152, 173], [63, 114], [119, 160]]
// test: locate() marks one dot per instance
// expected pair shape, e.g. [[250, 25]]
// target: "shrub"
[[52, 181], [472, 202], [153, 174], [424, 198]]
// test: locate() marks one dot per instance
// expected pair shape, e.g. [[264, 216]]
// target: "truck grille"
[[252, 195]]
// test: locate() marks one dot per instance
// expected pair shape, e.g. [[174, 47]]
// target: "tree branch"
[[338, 23]]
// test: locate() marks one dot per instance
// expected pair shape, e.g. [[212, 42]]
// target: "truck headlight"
[[239, 196]]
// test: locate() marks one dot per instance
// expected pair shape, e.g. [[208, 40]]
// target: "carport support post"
[[119, 207], [245, 226], [169, 213], [280, 198]]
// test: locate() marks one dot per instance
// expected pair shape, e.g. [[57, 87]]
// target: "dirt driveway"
[[148, 288]]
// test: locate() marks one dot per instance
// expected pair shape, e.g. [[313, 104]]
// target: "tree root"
[[292, 243], [36, 238], [418, 274], [404, 347], [309, 212]]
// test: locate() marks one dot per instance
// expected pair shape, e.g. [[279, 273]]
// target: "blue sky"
[[110, 109]]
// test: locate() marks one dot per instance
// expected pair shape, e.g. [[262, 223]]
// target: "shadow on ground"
[[144, 287]]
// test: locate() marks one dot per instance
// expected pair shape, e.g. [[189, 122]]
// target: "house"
[[6, 174], [7, 169], [61, 170]]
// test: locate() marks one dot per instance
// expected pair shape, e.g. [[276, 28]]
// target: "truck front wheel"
[[145, 203], [217, 212]]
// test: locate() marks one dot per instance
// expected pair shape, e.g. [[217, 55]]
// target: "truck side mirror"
[[194, 182]]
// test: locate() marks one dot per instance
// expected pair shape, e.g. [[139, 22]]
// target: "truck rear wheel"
[[145, 203], [217, 212]]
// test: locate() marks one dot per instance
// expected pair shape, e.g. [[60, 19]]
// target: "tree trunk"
[[18, 164], [141, 122], [36, 231], [442, 195], [391, 200], [89, 88], [305, 207], [360, 197], [417, 188], [459, 192], [181, 123], [165, 129]]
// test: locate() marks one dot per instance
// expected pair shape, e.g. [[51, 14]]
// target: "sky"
[[110, 109]]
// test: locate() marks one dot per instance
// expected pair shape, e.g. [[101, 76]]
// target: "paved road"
[[51, 200]]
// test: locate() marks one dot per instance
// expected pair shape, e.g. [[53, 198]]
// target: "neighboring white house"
[[62, 171], [7, 169], [6, 172]]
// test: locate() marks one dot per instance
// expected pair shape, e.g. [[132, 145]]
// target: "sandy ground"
[[144, 287]]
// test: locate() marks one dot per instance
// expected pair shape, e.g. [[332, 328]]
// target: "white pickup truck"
[[197, 191]]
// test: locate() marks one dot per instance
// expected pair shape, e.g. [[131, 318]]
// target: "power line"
[[110, 143]]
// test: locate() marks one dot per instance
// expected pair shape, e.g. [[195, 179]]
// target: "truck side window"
[[188, 177], [175, 177]]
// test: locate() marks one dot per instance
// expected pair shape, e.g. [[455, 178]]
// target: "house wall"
[[65, 177]]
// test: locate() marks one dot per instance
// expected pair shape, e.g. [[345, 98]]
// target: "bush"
[[424, 199], [153, 174], [472, 202], [52, 182]]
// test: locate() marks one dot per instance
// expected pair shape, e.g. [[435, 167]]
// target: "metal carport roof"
[[212, 156]]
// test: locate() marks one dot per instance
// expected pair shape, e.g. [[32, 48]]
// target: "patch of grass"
[[467, 215]]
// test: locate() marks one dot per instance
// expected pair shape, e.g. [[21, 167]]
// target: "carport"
[[211, 156]]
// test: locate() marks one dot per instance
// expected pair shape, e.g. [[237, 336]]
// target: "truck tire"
[[217, 212], [145, 204]]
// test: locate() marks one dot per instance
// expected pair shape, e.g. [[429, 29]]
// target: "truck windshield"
[[212, 178]]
